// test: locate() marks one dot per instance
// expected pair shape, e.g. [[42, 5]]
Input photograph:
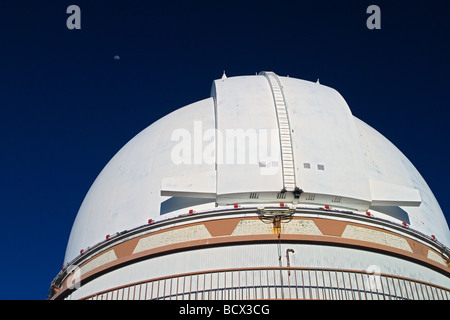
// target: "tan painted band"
[[221, 233]]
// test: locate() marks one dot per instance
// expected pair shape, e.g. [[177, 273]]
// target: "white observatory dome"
[[259, 141], [335, 155]]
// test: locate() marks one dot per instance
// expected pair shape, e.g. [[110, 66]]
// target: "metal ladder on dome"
[[287, 154]]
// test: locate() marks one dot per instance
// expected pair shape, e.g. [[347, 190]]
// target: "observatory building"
[[268, 189]]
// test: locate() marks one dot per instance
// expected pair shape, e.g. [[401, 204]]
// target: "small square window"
[[321, 167], [306, 165]]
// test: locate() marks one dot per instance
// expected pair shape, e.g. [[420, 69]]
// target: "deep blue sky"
[[66, 106]]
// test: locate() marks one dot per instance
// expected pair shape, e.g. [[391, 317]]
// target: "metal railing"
[[277, 283]]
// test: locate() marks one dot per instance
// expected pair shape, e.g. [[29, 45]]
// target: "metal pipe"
[[287, 259]]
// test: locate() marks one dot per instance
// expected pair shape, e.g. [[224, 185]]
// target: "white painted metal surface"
[[339, 161], [325, 138], [246, 119], [384, 162]]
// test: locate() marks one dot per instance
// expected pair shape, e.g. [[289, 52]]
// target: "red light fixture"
[[108, 236], [404, 224], [433, 237], [81, 251], [281, 204], [191, 211], [236, 206], [368, 214], [327, 207], [150, 220]]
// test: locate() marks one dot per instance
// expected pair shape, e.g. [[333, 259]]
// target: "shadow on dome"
[[393, 211], [177, 203]]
